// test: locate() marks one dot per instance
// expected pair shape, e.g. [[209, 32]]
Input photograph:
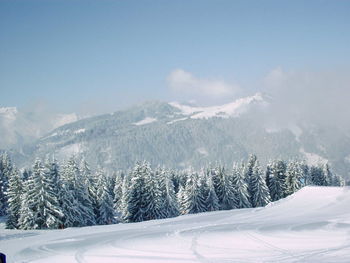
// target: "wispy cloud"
[[188, 86], [321, 97]]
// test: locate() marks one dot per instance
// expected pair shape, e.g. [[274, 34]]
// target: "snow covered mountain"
[[178, 136], [311, 225]]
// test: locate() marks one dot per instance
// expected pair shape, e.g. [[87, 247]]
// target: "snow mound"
[[233, 109], [312, 225]]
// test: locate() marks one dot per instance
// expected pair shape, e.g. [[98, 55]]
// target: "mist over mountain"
[[179, 136], [20, 127]]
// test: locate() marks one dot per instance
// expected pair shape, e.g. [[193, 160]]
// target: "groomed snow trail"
[[313, 225]]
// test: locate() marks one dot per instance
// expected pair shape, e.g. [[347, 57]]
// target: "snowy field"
[[313, 225]]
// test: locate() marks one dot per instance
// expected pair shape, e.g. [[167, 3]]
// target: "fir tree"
[[14, 192], [29, 208], [118, 192], [328, 175], [90, 180], [125, 190], [133, 198], [337, 180], [105, 204], [170, 204], [268, 174], [261, 195], [27, 218], [95, 190], [193, 197], [248, 173], [240, 187], [5, 172], [294, 175], [211, 199], [154, 192], [69, 205], [40, 208], [25, 175], [224, 190], [277, 180], [175, 178], [274, 188], [305, 178], [77, 195], [181, 199], [51, 183], [317, 176]]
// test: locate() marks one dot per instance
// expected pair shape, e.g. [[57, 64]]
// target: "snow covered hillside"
[[179, 136], [312, 225]]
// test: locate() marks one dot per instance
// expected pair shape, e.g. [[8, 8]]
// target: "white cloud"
[[192, 87]]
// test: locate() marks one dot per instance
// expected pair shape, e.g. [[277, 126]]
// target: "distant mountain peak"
[[19, 127], [232, 109]]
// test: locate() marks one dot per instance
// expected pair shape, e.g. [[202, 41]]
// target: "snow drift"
[[312, 225]]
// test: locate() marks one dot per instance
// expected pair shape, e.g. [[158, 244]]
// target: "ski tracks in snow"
[[313, 225]]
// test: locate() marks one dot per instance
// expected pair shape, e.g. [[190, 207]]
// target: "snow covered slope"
[[233, 109], [313, 225]]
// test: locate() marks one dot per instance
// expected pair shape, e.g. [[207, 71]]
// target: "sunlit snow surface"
[[312, 225], [232, 109]]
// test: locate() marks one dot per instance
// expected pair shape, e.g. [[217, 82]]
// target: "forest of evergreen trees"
[[50, 196]]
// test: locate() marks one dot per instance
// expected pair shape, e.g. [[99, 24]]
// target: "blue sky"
[[104, 55]]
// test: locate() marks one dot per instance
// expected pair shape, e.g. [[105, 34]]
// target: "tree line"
[[50, 196]]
